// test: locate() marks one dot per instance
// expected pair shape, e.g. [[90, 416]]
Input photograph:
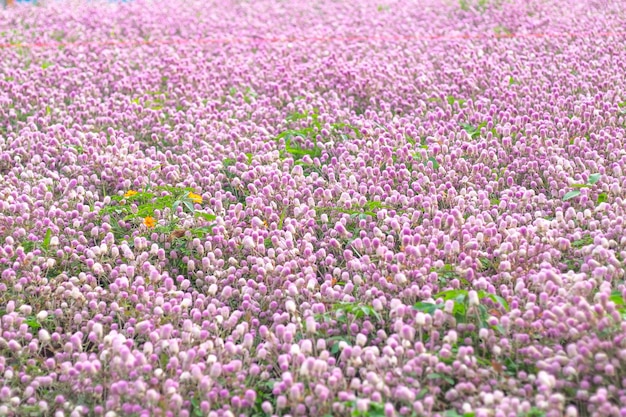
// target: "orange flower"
[[130, 193], [196, 198], [149, 222]]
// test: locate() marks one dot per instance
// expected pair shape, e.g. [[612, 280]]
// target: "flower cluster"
[[313, 208]]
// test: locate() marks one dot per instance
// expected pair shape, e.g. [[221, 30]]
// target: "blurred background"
[[5, 3]]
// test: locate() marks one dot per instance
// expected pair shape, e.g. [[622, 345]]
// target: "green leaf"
[[436, 375], [335, 348], [427, 307], [28, 246], [46, 240], [372, 205], [485, 264], [286, 134], [483, 314], [422, 393], [602, 198], [495, 298], [281, 219], [500, 300], [468, 128], [474, 132], [535, 412], [434, 161], [202, 231], [299, 153], [584, 241], [459, 311], [32, 322], [570, 195], [296, 116], [616, 297], [197, 412], [450, 294], [206, 216], [500, 329], [143, 211], [189, 206], [593, 178]]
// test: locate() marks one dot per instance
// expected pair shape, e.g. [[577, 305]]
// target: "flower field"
[[313, 208]]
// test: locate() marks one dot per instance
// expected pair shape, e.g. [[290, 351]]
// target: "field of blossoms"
[[313, 208]]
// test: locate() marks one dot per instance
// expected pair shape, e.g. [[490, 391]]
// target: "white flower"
[[483, 333], [290, 306], [98, 329], [212, 289], [420, 319], [248, 242], [473, 298], [400, 279], [44, 336], [311, 324], [546, 379], [451, 337]]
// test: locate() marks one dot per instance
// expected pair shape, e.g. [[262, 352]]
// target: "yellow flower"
[[196, 198], [149, 222], [130, 193]]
